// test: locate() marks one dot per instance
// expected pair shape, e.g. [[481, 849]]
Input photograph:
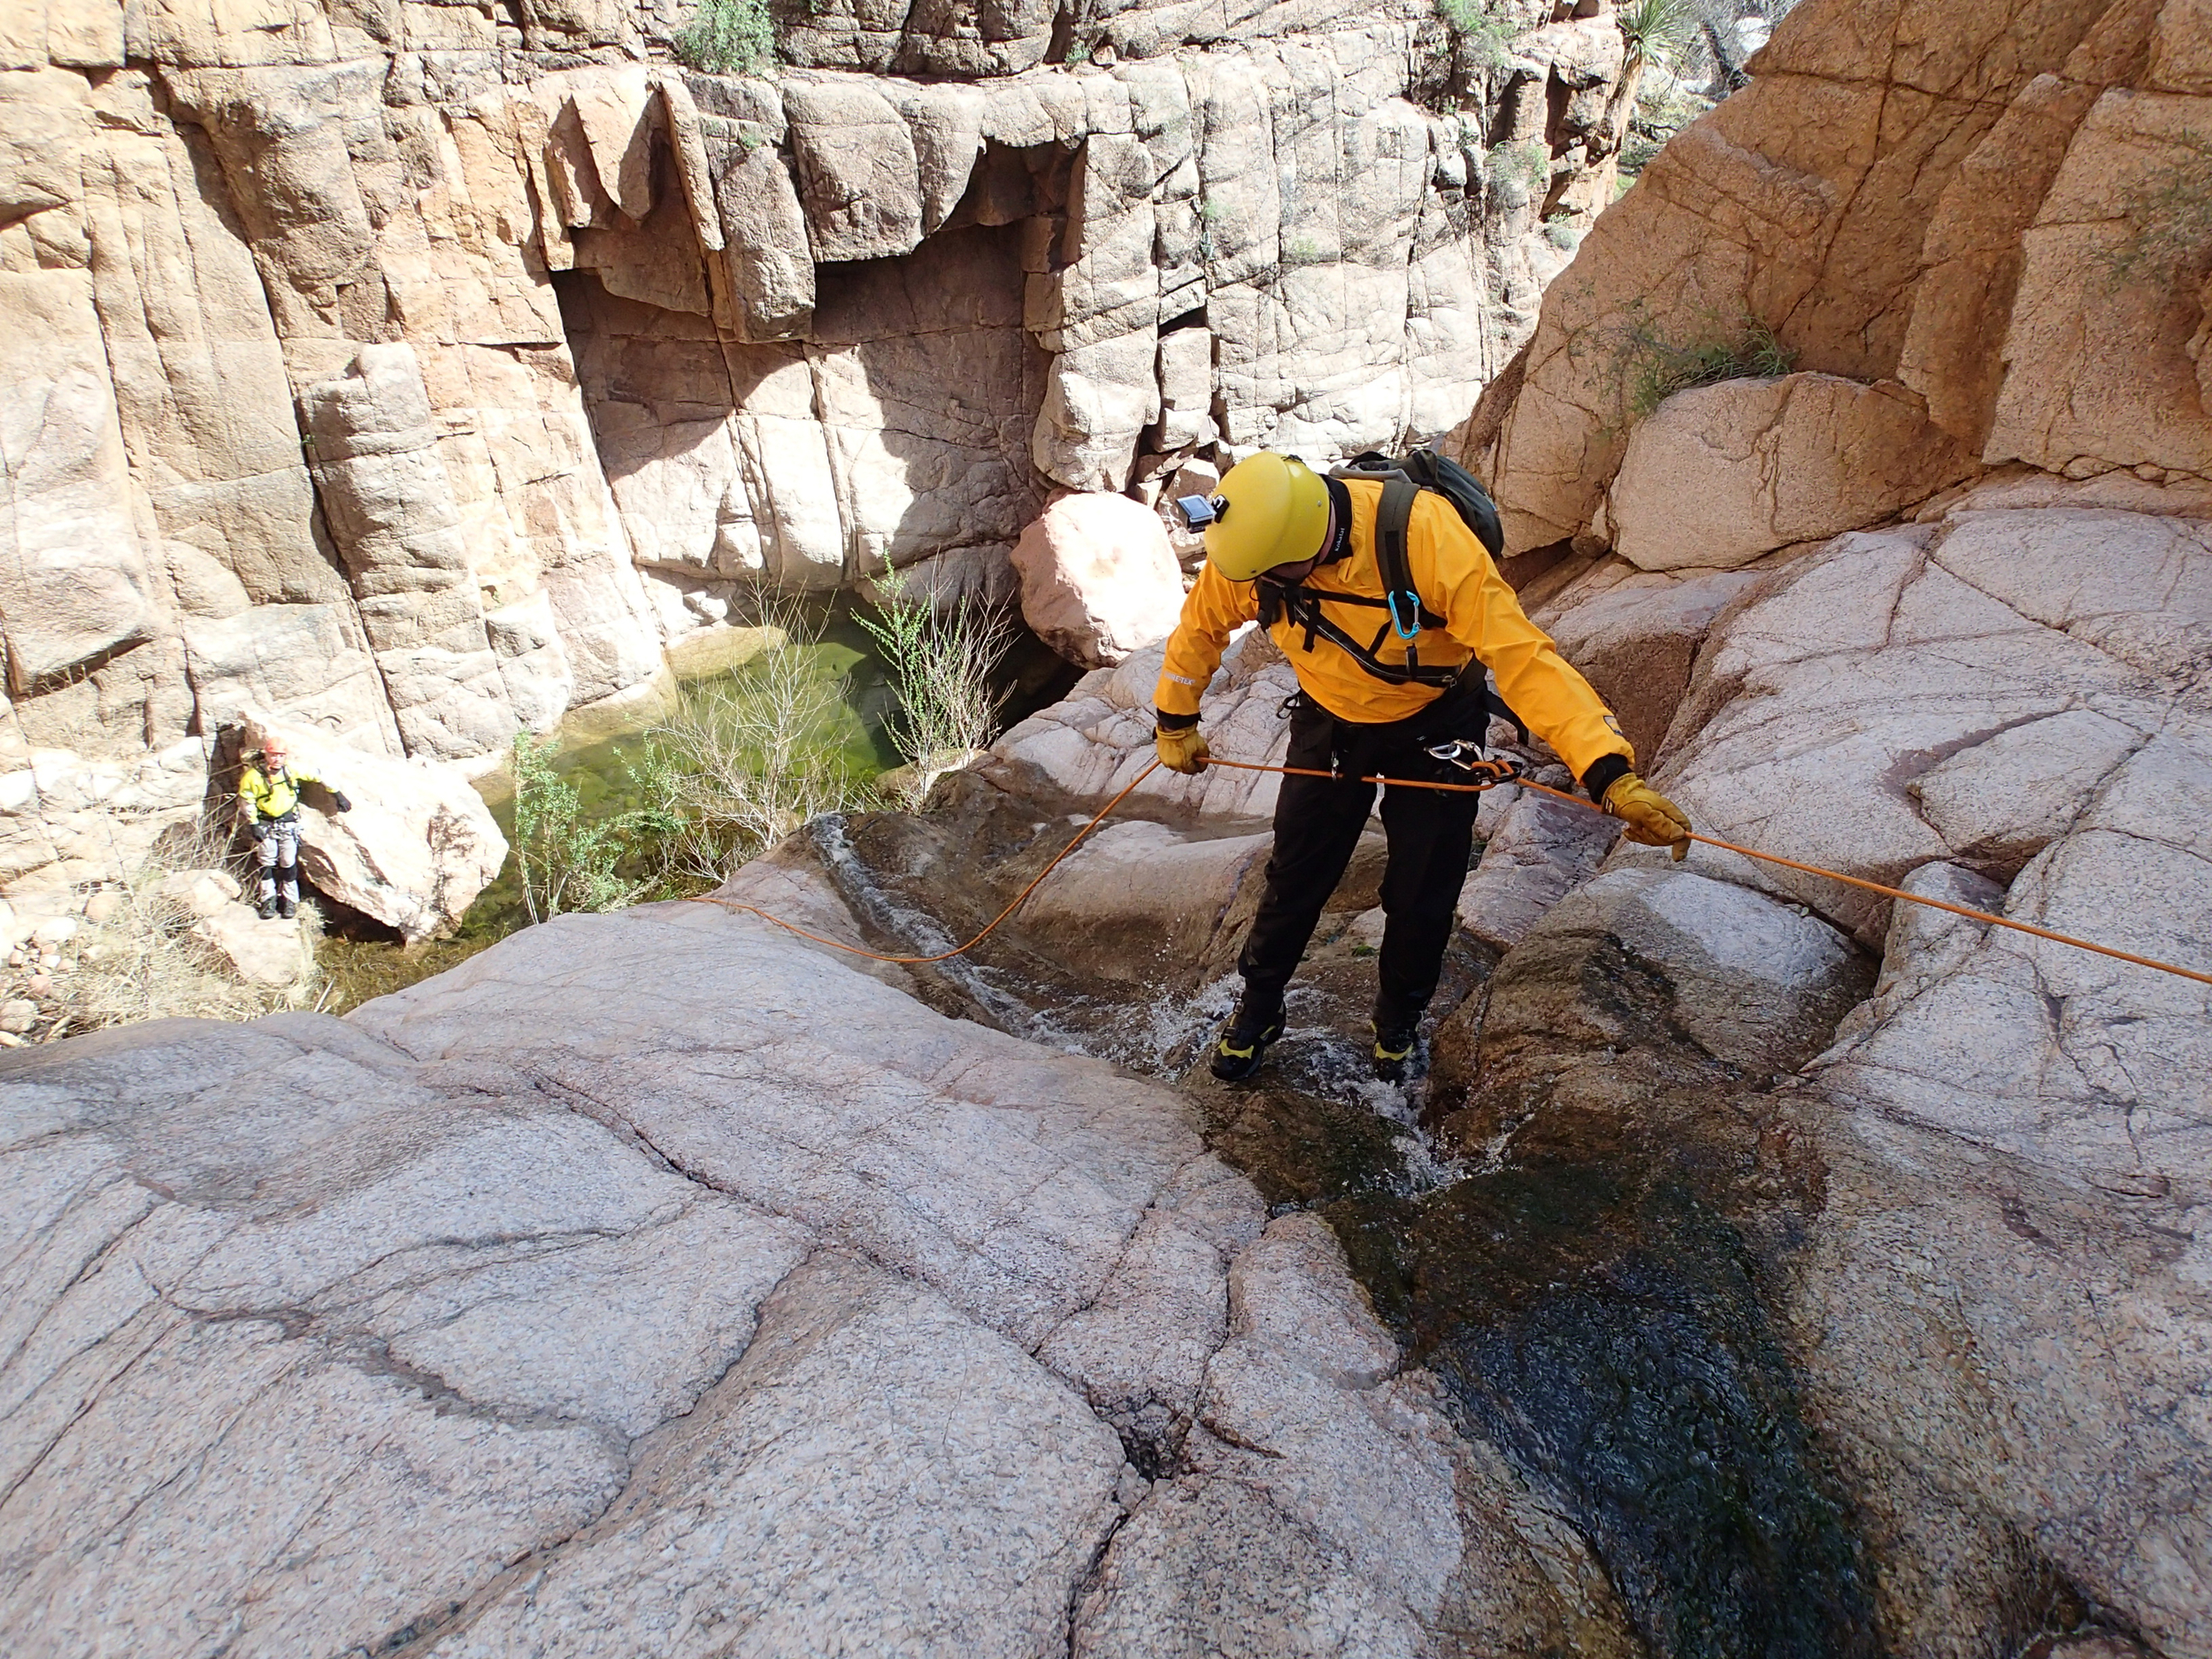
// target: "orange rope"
[[1468, 788], [1786, 863]]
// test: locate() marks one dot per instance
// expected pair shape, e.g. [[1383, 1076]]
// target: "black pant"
[[1317, 824]]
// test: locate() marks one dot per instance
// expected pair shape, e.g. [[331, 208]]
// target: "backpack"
[[1403, 479]]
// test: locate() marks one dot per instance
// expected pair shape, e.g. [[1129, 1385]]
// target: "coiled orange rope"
[[1100, 816]]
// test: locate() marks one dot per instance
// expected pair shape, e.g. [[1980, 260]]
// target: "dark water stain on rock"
[[1607, 1332], [1589, 1285]]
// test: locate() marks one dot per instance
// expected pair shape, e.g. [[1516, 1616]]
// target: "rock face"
[[1962, 691], [2012, 253], [420, 379], [1719, 476], [1098, 579], [890, 1331], [1983, 1209]]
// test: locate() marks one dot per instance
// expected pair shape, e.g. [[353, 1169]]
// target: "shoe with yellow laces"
[[1244, 1039], [1396, 1039]]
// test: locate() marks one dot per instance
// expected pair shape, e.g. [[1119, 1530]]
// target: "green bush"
[[727, 37], [1481, 38], [2169, 223], [564, 860], [1525, 164], [1653, 368]]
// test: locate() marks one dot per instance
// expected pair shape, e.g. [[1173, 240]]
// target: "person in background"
[[269, 800]]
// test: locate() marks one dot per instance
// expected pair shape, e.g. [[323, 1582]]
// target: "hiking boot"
[[1244, 1041], [268, 908], [287, 907], [1395, 1039]]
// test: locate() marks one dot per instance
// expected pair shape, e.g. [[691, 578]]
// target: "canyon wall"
[[423, 371]]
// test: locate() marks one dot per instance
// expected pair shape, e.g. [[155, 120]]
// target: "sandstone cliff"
[[423, 371], [1993, 214]]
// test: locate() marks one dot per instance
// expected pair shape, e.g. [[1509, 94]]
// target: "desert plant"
[[942, 659], [1655, 28], [1559, 230], [753, 752], [1652, 367], [1524, 165], [2168, 220], [1480, 37], [727, 37], [565, 860]]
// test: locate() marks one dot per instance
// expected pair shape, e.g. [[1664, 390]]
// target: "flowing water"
[[1595, 1299]]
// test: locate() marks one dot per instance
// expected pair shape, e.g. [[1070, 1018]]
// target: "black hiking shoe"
[[1394, 1042], [268, 908], [1244, 1041], [287, 907]]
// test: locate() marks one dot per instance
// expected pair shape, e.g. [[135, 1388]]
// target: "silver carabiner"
[[1467, 755]]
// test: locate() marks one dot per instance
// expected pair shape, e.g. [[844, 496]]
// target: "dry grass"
[[144, 961]]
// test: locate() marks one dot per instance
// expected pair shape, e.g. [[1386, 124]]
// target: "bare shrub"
[[753, 752], [942, 659]]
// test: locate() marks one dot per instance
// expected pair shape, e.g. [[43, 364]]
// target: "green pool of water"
[[608, 773]]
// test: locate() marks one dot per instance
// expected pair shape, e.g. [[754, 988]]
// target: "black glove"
[[263, 829], [339, 795]]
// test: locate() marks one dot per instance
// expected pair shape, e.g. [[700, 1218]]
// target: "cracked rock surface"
[[655, 1281]]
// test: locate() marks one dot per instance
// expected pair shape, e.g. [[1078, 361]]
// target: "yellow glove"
[[1652, 820], [1181, 748]]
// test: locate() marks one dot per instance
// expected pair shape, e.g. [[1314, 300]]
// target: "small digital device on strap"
[[1200, 511]]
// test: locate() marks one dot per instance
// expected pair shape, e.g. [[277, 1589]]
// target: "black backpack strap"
[[1392, 514]]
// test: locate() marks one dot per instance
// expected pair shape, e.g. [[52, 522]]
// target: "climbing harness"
[[1491, 782], [1405, 615]]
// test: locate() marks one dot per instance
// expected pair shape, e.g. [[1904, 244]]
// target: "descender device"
[[1469, 757]]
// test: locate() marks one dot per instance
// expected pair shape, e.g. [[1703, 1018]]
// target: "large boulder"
[[1718, 476], [416, 849], [1099, 581]]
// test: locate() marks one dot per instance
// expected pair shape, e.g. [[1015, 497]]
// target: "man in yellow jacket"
[[1298, 552], [269, 800]]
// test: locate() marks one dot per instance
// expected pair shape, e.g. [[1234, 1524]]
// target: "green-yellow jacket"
[[271, 797]]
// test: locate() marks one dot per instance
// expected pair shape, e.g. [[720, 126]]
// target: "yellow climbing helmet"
[[1270, 510]]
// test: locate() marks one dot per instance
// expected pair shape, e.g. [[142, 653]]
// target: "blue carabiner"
[[1398, 622]]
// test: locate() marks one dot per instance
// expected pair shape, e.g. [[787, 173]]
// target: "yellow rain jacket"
[[271, 797], [1456, 581]]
